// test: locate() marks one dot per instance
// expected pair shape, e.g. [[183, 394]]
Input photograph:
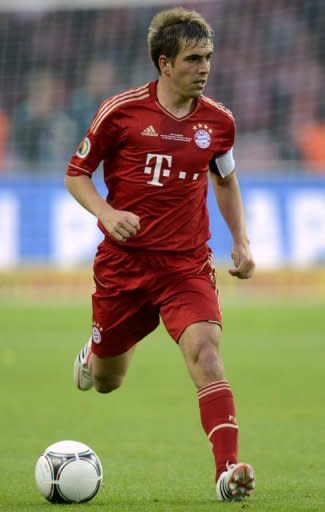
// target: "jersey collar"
[[153, 94]]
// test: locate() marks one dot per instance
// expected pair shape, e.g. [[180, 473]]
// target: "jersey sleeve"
[[223, 162], [100, 139]]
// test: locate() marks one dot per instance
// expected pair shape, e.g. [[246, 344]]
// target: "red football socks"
[[218, 419]]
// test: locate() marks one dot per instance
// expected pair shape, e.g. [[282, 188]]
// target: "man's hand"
[[243, 261], [119, 223]]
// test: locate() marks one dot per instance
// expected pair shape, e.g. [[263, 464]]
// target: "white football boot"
[[81, 375], [236, 484]]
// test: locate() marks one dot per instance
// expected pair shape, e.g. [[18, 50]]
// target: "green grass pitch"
[[148, 434]]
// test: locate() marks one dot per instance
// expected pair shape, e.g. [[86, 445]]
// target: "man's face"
[[190, 69]]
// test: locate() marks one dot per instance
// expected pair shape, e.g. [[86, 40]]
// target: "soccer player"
[[158, 143]]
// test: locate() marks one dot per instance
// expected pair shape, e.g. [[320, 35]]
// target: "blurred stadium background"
[[58, 60], [57, 63]]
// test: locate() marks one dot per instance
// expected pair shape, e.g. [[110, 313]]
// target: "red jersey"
[[156, 165]]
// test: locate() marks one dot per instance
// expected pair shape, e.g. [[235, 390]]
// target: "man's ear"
[[164, 65]]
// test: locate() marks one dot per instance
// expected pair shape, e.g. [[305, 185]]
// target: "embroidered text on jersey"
[[179, 137]]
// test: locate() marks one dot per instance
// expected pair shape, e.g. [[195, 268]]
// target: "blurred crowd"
[[269, 68]]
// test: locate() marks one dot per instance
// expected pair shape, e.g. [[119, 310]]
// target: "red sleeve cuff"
[[75, 170]]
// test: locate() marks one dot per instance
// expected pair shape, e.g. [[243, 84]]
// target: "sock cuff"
[[213, 388], [221, 426]]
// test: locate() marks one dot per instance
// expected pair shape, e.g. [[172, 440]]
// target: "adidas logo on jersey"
[[149, 132]]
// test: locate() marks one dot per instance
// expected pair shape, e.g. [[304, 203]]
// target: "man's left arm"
[[229, 199]]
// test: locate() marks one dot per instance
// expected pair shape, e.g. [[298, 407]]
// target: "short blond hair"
[[171, 29]]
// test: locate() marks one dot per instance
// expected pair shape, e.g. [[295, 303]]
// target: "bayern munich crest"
[[96, 334], [202, 136]]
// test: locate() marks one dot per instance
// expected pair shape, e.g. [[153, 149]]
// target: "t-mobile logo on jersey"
[[157, 170]]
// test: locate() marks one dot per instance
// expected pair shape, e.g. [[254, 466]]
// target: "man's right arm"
[[120, 224]]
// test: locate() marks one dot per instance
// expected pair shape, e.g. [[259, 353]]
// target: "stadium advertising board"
[[40, 223]]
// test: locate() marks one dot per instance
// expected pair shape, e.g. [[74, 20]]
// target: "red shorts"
[[134, 289]]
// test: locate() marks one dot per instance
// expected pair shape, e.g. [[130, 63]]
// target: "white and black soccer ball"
[[68, 472]]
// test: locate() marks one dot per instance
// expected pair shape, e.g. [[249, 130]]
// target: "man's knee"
[[200, 347], [104, 384], [207, 355], [203, 347]]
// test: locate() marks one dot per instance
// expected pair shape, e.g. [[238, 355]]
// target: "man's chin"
[[198, 93]]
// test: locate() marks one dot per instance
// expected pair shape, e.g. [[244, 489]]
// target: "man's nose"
[[204, 66]]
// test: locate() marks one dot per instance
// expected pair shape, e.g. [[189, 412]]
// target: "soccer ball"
[[68, 472]]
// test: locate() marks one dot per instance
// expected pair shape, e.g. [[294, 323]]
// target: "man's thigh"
[[188, 301], [120, 321], [122, 313]]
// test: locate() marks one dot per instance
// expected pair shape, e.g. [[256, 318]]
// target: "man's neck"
[[172, 101]]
